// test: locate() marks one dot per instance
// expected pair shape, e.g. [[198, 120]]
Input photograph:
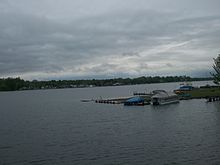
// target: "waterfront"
[[54, 127]]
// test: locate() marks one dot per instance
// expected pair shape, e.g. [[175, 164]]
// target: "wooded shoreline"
[[13, 84]]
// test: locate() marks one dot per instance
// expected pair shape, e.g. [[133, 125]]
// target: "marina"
[[158, 97], [186, 91]]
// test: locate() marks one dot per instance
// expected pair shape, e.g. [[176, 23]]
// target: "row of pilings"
[[213, 99], [108, 101]]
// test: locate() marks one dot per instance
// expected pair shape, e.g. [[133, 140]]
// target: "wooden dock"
[[142, 94], [121, 100]]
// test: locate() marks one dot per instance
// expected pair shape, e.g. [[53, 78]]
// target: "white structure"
[[162, 97]]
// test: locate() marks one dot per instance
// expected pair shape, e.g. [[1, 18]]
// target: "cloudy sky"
[[72, 39]]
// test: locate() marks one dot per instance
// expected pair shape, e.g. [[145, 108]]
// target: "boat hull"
[[159, 101], [168, 102]]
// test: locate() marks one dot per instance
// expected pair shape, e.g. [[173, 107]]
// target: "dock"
[[142, 94], [122, 100], [119, 100]]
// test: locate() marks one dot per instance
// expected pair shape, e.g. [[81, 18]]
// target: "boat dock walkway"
[[120, 100]]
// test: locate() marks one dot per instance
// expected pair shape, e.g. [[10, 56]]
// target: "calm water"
[[54, 127]]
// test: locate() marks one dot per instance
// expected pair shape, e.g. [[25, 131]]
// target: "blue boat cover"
[[186, 87], [135, 100]]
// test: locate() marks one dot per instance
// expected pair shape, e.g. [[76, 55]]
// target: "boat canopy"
[[163, 94]]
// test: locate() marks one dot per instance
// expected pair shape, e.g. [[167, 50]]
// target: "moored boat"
[[162, 97], [134, 101]]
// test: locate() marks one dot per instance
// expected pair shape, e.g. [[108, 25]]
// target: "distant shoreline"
[[17, 84]]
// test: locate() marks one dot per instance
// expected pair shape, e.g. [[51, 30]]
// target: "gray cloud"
[[41, 39]]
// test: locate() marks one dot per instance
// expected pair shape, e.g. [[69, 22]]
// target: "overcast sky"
[[72, 39]]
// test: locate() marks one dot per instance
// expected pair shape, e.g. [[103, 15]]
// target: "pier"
[[120, 100]]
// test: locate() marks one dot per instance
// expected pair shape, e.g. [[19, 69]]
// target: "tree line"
[[12, 84]]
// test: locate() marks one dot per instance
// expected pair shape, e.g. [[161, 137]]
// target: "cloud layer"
[[86, 39]]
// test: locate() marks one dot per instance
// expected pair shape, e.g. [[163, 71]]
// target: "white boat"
[[161, 97]]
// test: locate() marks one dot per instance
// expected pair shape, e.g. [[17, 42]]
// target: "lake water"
[[54, 127]]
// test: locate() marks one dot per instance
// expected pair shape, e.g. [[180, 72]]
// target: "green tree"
[[216, 67]]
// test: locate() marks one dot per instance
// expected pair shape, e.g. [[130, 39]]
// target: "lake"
[[55, 127]]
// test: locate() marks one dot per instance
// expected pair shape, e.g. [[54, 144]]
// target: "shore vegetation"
[[12, 84], [216, 67]]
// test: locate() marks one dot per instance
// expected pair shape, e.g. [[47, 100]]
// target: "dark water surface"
[[54, 127]]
